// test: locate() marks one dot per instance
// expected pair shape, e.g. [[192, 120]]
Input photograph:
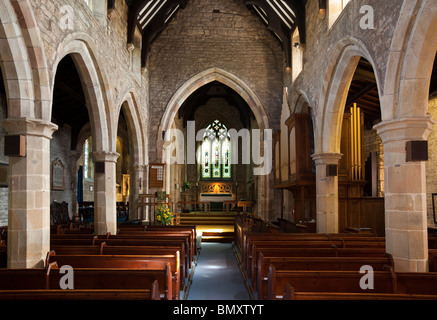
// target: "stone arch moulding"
[[37, 58], [198, 81], [137, 132], [411, 58], [15, 65], [93, 87], [338, 78], [204, 78]]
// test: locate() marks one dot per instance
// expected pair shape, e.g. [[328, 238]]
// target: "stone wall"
[[4, 161], [197, 39], [60, 150], [331, 41], [431, 166], [106, 40]]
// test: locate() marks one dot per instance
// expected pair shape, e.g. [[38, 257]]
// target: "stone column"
[[137, 185], [327, 193], [29, 194], [105, 211], [405, 193], [74, 168]]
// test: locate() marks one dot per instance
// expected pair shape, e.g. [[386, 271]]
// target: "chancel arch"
[[245, 94]]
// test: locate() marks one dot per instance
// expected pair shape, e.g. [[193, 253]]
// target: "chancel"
[[218, 150]]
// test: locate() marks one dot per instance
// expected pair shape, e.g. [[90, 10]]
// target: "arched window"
[[216, 152]]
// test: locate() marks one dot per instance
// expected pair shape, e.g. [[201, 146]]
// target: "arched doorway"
[[361, 168], [70, 113]]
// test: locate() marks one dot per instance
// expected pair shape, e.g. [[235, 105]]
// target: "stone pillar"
[[405, 193], [327, 193], [74, 168], [105, 211], [138, 185], [29, 194]]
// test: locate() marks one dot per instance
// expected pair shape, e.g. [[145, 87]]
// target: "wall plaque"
[[58, 175]]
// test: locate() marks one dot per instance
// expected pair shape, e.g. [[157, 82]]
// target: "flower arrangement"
[[186, 186], [163, 215]]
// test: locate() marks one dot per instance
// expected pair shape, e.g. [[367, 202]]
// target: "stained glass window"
[[216, 152]]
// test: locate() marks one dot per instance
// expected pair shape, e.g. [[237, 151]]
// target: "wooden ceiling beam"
[[300, 12], [157, 26], [370, 87]]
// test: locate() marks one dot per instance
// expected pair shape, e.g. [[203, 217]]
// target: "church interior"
[[293, 137]]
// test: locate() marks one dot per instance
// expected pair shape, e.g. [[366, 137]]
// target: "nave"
[[264, 262]]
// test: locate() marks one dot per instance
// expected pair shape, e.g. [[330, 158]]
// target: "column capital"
[[405, 129], [29, 127], [104, 156], [327, 158]]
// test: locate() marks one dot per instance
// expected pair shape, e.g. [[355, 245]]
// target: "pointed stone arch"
[[15, 63], [338, 77], [93, 88], [203, 78], [411, 58], [239, 86]]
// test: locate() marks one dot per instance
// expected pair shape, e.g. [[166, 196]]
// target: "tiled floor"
[[217, 275]]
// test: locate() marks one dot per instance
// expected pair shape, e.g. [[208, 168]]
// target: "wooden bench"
[[124, 250], [83, 294], [259, 280], [188, 234], [89, 279], [345, 239], [121, 261], [187, 251], [309, 252], [181, 243], [93, 278], [290, 294], [349, 282]]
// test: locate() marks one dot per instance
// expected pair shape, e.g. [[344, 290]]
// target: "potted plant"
[[186, 186]]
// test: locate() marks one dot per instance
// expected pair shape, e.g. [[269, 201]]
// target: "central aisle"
[[217, 275]]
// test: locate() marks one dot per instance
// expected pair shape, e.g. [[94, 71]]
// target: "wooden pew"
[[96, 241], [49, 278], [83, 294], [349, 282], [267, 237], [121, 261], [259, 281], [85, 278], [124, 250], [188, 234], [309, 252], [290, 294], [131, 240]]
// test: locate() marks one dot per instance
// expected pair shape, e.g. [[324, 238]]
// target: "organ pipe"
[[356, 143]]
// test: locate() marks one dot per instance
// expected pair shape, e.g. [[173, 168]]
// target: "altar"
[[216, 200], [217, 194]]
